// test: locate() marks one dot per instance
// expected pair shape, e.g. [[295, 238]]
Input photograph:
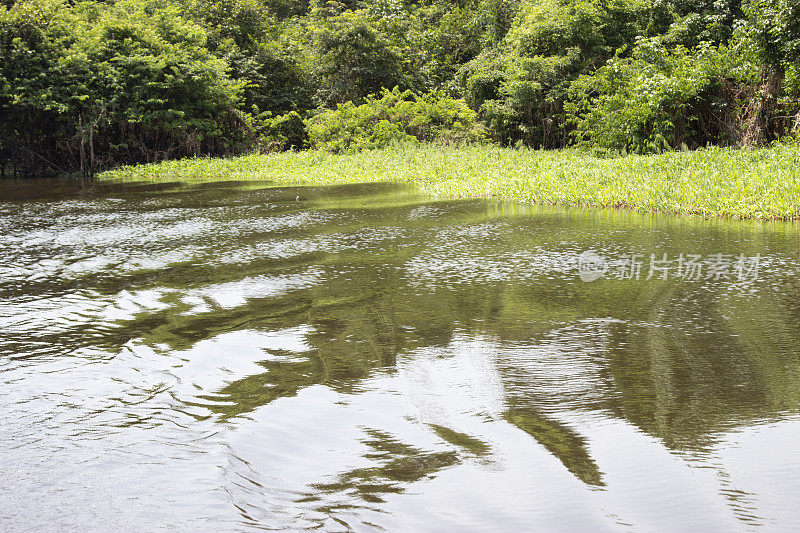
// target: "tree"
[[775, 31], [127, 82], [356, 58]]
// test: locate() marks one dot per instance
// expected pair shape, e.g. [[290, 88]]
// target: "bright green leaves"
[[658, 99], [398, 116], [137, 73], [775, 28]]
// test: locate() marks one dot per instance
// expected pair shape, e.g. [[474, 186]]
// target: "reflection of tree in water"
[[466, 443], [681, 363], [731, 361], [400, 464], [567, 445], [280, 379]]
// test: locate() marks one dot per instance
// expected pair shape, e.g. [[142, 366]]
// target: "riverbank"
[[715, 182]]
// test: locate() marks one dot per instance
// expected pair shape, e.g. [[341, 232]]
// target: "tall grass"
[[714, 182]]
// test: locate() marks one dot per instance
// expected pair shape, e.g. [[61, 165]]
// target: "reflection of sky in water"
[[237, 359]]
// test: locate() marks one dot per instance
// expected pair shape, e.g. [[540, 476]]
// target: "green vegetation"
[[725, 182], [395, 117], [92, 85]]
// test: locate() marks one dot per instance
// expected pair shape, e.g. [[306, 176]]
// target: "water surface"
[[231, 357]]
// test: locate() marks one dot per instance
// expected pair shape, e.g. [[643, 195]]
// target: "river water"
[[231, 357]]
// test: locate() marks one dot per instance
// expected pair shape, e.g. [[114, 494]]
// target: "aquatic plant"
[[713, 182]]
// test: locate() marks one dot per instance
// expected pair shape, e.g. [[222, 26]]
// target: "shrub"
[[397, 116], [284, 132], [660, 99], [520, 89]]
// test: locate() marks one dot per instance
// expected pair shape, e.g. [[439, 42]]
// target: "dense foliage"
[[395, 117], [87, 84]]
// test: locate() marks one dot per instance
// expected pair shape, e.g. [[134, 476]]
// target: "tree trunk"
[[83, 146], [91, 150], [796, 127], [760, 116]]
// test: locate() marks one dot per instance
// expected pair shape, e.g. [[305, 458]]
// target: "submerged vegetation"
[[714, 182], [91, 85]]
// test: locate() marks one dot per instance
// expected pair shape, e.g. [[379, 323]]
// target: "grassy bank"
[[762, 184]]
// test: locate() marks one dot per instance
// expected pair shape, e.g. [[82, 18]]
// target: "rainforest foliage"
[[92, 84]]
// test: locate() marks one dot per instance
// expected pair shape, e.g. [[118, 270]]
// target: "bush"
[[397, 116], [520, 89], [284, 132], [661, 99]]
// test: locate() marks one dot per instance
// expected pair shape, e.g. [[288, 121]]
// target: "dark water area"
[[231, 357]]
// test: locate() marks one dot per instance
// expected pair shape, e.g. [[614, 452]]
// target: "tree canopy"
[[86, 84]]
